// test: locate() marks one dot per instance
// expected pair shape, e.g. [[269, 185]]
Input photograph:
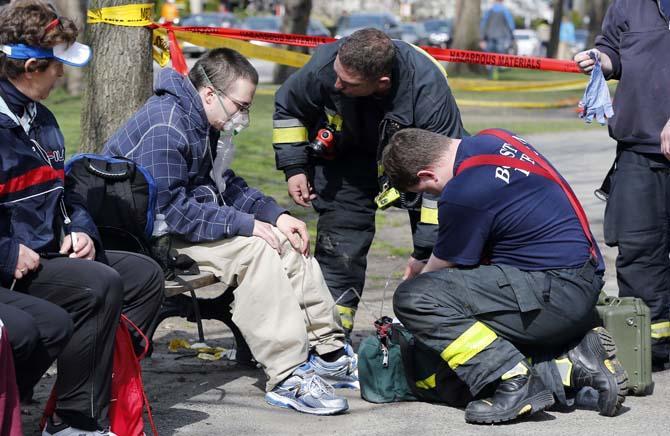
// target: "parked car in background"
[[527, 42], [206, 19], [272, 23], [414, 33], [439, 32], [388, 23]]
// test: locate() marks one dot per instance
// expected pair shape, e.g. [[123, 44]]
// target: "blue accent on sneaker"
[[343, 373], [306, 392]]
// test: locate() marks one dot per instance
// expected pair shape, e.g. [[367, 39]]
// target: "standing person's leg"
[[143, 289], [91, 293], [345, 229], [643, 267], [38, 331]]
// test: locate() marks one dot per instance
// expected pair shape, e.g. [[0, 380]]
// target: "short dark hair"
[[26, 22], [368, 52], [410, 151], [222, 67]]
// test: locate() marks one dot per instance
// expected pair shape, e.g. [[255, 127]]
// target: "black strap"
[[407, 356], [603, 192]]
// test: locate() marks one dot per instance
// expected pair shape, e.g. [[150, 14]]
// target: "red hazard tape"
[[447, 55]]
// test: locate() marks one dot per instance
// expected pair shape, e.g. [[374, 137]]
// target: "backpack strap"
[[543, 168]]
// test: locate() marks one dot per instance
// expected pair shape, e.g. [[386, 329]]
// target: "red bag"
[[128, 398], [10, 411]]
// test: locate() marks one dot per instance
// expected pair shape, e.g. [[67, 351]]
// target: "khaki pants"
[[282, 304]]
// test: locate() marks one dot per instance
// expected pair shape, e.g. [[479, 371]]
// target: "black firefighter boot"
[[521, 392], [594, 364]]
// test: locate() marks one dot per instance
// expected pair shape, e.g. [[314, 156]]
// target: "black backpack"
[[121, 196]]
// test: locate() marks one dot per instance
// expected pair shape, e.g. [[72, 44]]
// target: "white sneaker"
[[65, 430]]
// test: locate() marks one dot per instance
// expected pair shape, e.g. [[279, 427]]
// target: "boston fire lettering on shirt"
[[503, 172]]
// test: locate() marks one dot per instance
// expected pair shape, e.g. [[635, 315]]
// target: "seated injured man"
[[183, 136]]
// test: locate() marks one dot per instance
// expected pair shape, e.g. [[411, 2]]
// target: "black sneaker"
[[515, 397], [594, 364]]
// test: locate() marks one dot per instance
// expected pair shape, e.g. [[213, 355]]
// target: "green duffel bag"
[[393, 367]]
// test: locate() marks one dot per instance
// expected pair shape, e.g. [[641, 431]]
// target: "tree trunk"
[[296, 20], [552, 50], [466, 34], [596, 15], [75, 10], [118, 79]]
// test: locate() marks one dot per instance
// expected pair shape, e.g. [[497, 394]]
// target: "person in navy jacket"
[[61, 295]]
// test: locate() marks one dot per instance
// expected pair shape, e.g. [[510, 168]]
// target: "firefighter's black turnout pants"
[[483, 321]]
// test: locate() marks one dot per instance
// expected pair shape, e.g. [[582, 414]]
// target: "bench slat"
[[201, 280]]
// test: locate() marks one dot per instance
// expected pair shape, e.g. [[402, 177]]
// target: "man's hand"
[[264, 231], [84, 247], [296, 232], [413, 268], [27, 261], [300, 190], [665, 140], [585, 62]]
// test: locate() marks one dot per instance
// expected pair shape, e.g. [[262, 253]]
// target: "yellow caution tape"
[[160, 50], [178, 344], [519, 104], [134, 15], [272, 54], [486, 103], [483, 86]]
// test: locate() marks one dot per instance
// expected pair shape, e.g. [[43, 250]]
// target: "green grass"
[[67, 110]]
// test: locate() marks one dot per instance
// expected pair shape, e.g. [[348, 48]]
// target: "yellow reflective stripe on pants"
[[468, 344], [660, 330], [347, 315], [428, 383], [288, 135]]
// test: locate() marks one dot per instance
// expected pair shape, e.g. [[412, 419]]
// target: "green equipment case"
[[628, 320]]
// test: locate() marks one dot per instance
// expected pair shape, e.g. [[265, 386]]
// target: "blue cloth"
[[171, 137], [506, 216], [596, 100]]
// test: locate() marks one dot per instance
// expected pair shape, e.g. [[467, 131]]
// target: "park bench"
[[218, 308]]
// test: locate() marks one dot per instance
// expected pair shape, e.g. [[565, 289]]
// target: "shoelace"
[[318, 388]]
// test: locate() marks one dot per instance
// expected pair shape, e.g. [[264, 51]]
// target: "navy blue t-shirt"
[[506, 216]]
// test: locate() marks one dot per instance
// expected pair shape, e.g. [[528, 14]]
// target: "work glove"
[[596, 100]]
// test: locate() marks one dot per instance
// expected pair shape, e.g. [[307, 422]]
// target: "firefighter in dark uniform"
[[358, 92], [515, 273]]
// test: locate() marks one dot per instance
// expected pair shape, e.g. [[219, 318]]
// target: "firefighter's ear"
[[427, 175], [383, 84]]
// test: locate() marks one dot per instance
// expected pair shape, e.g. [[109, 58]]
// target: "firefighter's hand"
[[84, 248], [300, 190], [27, 261], [413, 268], [264, 230], [585, 62], [296, 232], [665, 140]]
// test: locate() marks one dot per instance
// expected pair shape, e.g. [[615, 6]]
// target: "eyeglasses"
[[241, 107]]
